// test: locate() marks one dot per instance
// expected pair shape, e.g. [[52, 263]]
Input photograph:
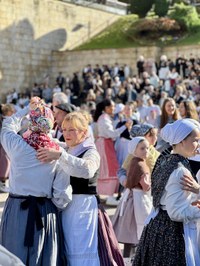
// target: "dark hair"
[[151, 132], [101, 107]]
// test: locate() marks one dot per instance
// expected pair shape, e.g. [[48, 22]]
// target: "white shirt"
[[106, 129], [177, 201], [28, 176]]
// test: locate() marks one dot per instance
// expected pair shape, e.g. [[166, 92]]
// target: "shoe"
[[112, 201], [128, 261], [3, 187]]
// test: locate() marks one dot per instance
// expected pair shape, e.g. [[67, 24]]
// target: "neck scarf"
[[85, 145]]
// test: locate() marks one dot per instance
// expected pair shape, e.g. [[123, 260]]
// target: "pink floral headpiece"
[[41, 116]]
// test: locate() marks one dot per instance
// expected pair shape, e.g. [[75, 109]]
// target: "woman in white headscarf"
[[170, 236]]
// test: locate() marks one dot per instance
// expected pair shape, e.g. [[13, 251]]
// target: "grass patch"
[[113, 37], [125, 33]]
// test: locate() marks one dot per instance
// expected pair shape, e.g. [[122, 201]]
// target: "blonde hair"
[[87, 116], [77, 119]]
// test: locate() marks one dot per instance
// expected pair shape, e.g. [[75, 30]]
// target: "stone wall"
[[37, 36], [31, 29], [71, 61]]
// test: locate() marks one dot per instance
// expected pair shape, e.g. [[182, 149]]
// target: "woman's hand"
[[190, 184], [196, 203], [47, 155]]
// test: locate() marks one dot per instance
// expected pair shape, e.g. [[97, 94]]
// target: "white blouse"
[[106, 129], [176, 201], [29, 176], [80, 167]]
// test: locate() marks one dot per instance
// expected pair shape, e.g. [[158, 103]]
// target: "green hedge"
[[187, 16]]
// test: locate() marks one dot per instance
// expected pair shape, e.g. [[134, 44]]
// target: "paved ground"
[[110, 211]]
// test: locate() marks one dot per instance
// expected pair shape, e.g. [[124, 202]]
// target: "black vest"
[[82, 185]]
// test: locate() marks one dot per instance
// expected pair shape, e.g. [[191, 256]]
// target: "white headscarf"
[[176, 132], [133, 144]]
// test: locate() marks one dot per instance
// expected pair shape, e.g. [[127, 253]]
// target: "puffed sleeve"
[[62, 190], [84, 167], [178, 201], [106, 129]]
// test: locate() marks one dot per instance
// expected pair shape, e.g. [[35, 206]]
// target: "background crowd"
[[120, 106]]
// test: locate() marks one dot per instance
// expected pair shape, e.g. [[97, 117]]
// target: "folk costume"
[[31, 226], [170, 236], [88, 233], [135, 205], [107, 182]]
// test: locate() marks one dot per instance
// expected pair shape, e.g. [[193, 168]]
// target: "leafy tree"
[[141, 7], [179, 2], [187, 16], [161, 7]]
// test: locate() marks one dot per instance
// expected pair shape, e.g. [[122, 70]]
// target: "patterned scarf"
[[40, 123], [165, 165], [40, 140]]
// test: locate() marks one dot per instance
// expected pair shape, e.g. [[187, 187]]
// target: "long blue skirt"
[[47, 248]]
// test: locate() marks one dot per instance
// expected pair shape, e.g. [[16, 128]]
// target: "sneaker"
[[3, 187], [112, 201]]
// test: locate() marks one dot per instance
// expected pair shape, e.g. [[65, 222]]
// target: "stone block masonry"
[[72, 61], [31, 30]]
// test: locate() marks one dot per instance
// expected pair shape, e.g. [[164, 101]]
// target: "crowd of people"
[[133, 138]]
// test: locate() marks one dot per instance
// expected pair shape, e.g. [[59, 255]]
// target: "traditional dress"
[[135, 205], [170, 237], [107, 182], [30, 226], [122, 143], [88, 234]]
